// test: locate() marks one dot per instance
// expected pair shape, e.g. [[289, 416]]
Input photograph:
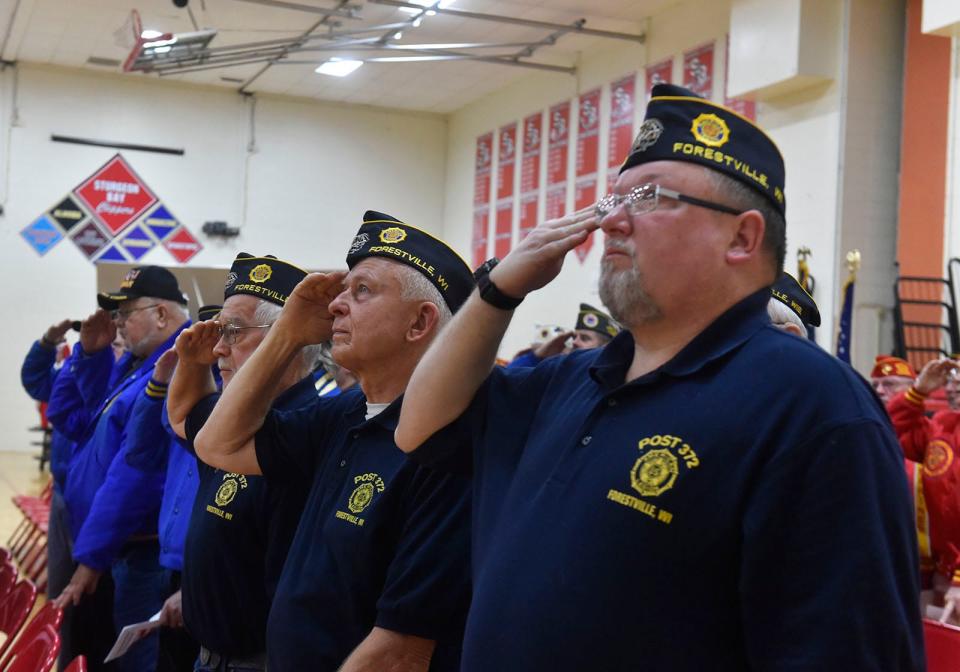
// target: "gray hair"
[[738, 195], [780, 314], [414, 286], [175, 308], [268, 313]]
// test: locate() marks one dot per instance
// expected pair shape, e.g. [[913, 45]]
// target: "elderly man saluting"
[[377, 576], [665, 503]]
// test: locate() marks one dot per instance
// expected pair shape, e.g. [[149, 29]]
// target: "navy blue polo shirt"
[[382, 541], [240, 531], [741, 507]]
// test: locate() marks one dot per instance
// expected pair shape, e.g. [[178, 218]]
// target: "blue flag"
[[846, 321]]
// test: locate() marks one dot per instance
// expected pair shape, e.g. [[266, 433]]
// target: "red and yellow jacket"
[[933, 443]]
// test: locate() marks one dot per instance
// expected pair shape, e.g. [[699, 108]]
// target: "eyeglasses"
[[122, 315], [646, 197], [231, 332]]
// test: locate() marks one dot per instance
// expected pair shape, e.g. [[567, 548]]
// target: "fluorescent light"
[[338, 67], [150, 34], [161, 50], [445, 3], [417, 21], [397, 35], [160, 43], [430, 12]]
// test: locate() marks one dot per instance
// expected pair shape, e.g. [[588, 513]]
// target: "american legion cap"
[[888, 365], [208, 312], [153, 281], [681, 126], [381, 235], [591, 319], [791, 293], [266, 278]]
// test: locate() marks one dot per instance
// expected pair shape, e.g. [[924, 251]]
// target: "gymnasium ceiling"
[[302, 34]]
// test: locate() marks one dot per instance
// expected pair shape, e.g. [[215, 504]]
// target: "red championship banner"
[[481, 198], [659, 73], [623, 104], [588, 159], [530, 172], [557, 155], [115, 195], [698, 70], [747, 108], [506, 169]]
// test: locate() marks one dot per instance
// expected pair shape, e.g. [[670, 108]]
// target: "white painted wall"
[[315, 169], [805, 124]]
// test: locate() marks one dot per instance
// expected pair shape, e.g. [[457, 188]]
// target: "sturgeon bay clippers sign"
[[113, 201]]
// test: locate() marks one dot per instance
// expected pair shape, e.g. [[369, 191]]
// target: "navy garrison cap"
[[381, 235], [591, 319], [681, 126], [790, 293], [266, 278], [153, 281], [209, 312]]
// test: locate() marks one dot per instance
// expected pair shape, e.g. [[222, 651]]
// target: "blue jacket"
[[108, 499], [37, 374]]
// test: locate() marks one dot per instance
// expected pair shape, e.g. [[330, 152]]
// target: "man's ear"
[[425, 322], [746, 242], [163, 314]]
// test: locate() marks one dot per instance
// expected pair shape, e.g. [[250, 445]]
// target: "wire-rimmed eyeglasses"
[[644, 198], [122, 315], [230, 332]]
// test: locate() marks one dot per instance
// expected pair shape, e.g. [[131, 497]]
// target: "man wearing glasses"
[[675, 500], [113, 506]]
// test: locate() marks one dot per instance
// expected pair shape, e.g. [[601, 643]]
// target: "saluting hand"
[[56, 332], [538, 258], [195, 344], [554, 346], [97, 332], [935, 374], [306, 317]]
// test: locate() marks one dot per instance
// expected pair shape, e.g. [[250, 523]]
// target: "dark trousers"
[[60, 569], [91, 626], [178, 650]]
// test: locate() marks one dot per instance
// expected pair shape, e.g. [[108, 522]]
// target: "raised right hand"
[[934, 375], [56, 332], [554, 346], [195, 344], [306, 317], [97, 332], [538, 258]]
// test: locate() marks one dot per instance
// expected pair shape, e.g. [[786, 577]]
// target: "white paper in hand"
[[131, 634]]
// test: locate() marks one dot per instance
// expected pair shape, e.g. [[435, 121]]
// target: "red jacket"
[[934, 443]]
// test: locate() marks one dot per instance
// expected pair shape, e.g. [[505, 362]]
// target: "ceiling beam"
[[577, 27], [347, 12]]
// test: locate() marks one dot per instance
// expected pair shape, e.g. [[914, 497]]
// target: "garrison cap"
[[205, 313], [591, 319], [381, 235], [790, 293], [266, 278], [153, 281], [888, 365], [681, 126]]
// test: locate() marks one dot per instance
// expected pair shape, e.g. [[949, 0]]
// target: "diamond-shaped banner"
[[160, 222], [90, 239], [112, 254], [115, 195], [42, 235], [182, 245], [137, 243], [67, 214]]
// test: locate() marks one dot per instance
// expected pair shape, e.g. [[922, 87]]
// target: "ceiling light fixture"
[[150, 34], [160, 43], [338, 67], [397, 35], [417, 21], [161, 50]]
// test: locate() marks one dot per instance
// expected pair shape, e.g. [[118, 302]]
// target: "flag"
[[845, 331], [806, 281]]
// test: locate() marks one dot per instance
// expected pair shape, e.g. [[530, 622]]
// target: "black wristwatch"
[[489, 292]]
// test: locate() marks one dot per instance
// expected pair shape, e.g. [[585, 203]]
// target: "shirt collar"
[[726, 333]]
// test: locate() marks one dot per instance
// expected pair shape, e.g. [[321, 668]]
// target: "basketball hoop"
[[129, 36]]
